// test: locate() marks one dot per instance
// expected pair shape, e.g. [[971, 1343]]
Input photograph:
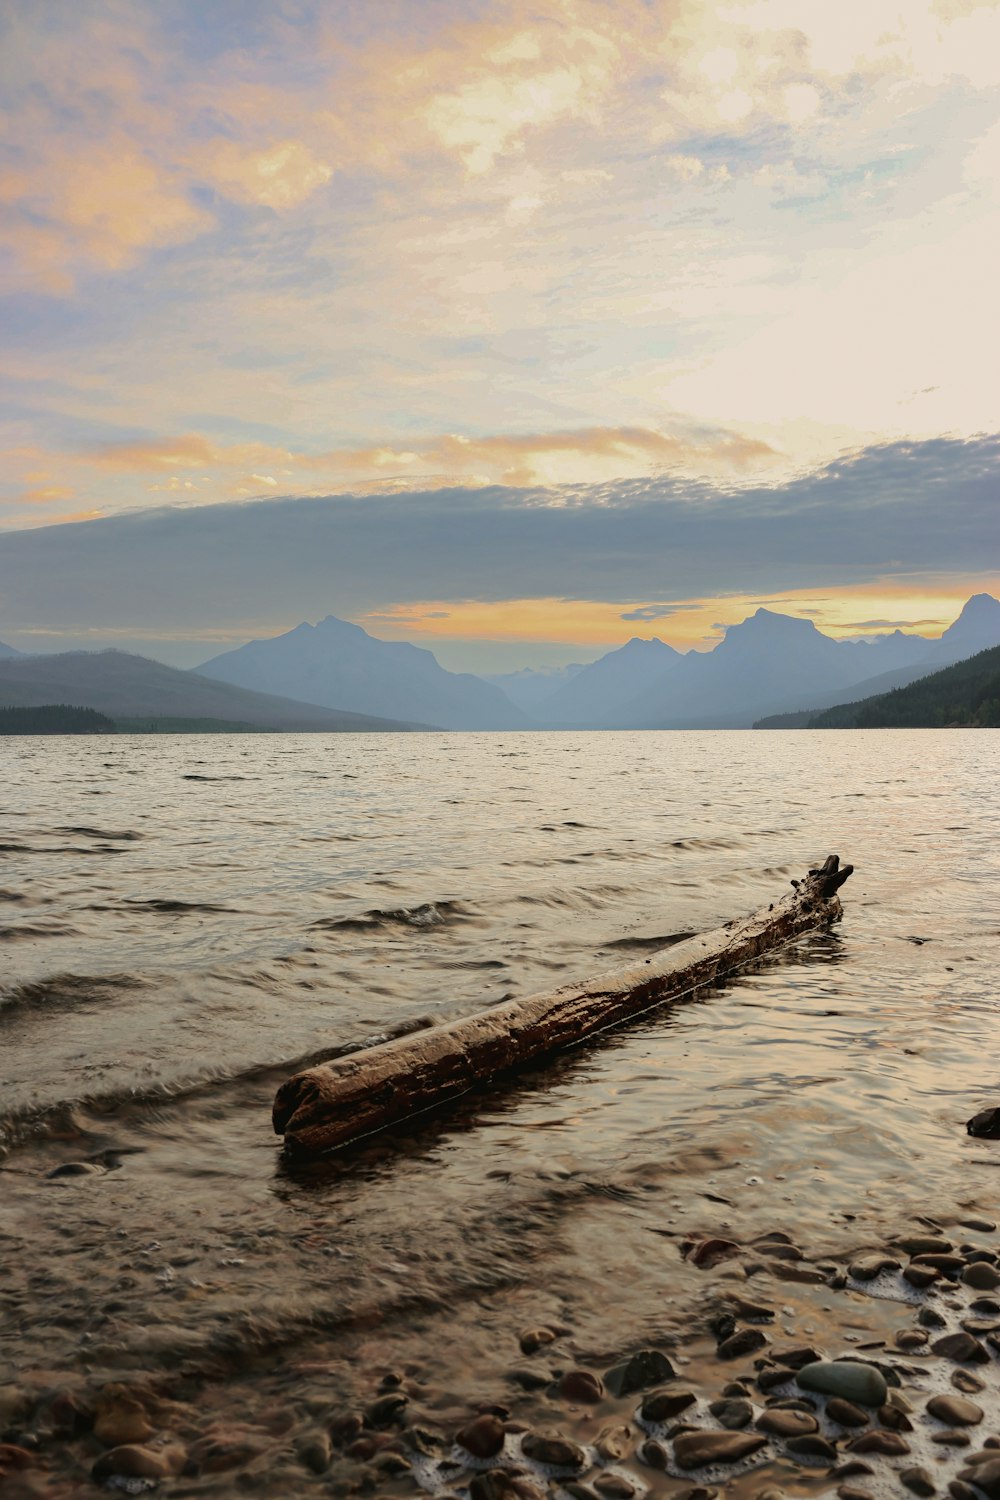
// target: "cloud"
[[887, 624], [895, 510], [652, 612], [280, 177]]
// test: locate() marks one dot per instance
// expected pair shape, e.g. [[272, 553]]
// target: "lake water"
[[185, 919]]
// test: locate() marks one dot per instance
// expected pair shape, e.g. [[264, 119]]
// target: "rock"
[[70, 1414], [345, 1429], [14, 1458], [925, 1244], [853, 1492], [732, 1414], [121, 1418], [613, 1443], [948, 1265], [529, 1380], [483, 1438], [920, 1276], [533, 1339], [964, 1380], [986, 1124], [918, 1481], [786, 1424], [739, 1344], [795, 1358], [880, 1441], [614, 1486], [985, 1226], [697, 1492], [845, 1377], [962, 1348], [498, 1484], [811, 1446], [985, 1475], [894, 1418], [751, 1312], [693, 1450], [581, 1385], [851, 1469], [769, 1492], [955, 1411], [663, 1406], [391, 1465], [387, 1410], [652, 1454], [135, 1462], [845, 1413], [314, 1452], [981, 1276], [72, 1169], [929, 1317], [951, 1437], [222, 1448], [960, 1491], [560, 1452], [867, 1267], [804, 1275], [648, 1367], [772, 1377]]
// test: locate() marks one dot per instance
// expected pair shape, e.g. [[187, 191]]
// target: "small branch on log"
[[336, 1102]]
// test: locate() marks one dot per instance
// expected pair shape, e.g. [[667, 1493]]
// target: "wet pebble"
[[910, 1339], [663, 1406], [964, 1380], [652, 1454], [483, 1438], [880, 1441], [558, 1451], [613, 1443], [314, 1452], [981, 1276], [845, 1413], [951, 1437], [812, 1446], [867, 1267], [533, 1339], [498, 1484], [733, 1414], [387, 1410], [955, 1411], [962, 1348], [745, 1341], [848, 1378], [918, 1481], [694, 1450], [614, 1486], [787, 1424], [581, 1385], [646, 1368], [929, 1317]]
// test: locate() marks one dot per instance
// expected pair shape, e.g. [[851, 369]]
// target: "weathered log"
[[336, 1102]]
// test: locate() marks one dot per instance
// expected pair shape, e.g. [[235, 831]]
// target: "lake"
[[184, 920]]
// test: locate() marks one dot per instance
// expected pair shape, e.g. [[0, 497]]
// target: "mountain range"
[[334, 676]]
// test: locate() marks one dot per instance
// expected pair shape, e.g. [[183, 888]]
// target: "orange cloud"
[[45, 495]]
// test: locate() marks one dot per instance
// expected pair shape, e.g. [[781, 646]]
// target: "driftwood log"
[[336, 1102]]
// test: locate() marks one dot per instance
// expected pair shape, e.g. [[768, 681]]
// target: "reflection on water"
[[244, 906]]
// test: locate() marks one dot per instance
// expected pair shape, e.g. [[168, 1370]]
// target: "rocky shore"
[[871, 1377]]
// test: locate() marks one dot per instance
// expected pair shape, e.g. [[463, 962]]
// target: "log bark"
[[337, 1102]]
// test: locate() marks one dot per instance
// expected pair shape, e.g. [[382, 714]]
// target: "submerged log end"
[[830, 876]]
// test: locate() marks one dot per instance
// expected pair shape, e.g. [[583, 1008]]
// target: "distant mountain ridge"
[[335, 663], [125, 686], [965, 694]]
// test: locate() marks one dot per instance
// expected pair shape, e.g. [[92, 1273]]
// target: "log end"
[[830, 876]]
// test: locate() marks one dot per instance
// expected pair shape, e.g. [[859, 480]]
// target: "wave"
[[68, 992], [21, 934], [429, 914], [127, 835]]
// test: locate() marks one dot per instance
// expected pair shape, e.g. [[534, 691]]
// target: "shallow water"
[[184, 919]]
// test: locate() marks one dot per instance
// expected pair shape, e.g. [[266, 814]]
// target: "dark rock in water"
[[581, 1385], [962, 1491], [925, 1244], [951, 1437], [810, 1445], [614, 1486], [72, 1169], [895, 1418], [964, 1380], [918, 1481], [929, 1317], [985, 1475], [314, 1452], [652, 1454], [787, 1424], [985, 1226], [483, 1438], [533, 1339], [648, 1367], [846, 1413], [981, 1276], [880, 1441], [708, 1253], [909, 1339], [844, 1377], [853, 1492], [955, 1411], [795, 1358], [386, 1410], [560, 1452], [733, 1414], [497, 1484], [867, 1267], [921, 1276], [529, 1380], [663, 1406], [134, 1462], [986, 1124], [745, 1341], [693, 1450], [962, 1348], [697, 1492]]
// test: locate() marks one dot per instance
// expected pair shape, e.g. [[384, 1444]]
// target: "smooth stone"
[[867, 1267], [732, 1414], [533, 1339], [880, 1441], [952, 1437], [614, 1486], [72, 1169], [560, 1452], [851, 1469], [710, 1252], [751, 1312], [581, 1385], [786, 1424], [804, 1275], [529, 1380], [795, 1358], [744, 1341], [697, 1492], [652, 1454], [386, 1410], [735, 1388], [483, 1438], [497, 1484], [811, 1446], [639, 1372], [846, 1413], [693, 1450], [771, 1377], [920, 1277], [847, 1378], [612, 1443], [948, 1265], [985, 1475], [960, 1491], [663, 1406], [925, 1244], [929, 1317], [852, 1492], [769, 1492], [981, 1276], [894, 1418], [918, 1481], [314, 1452], [955, 1411], [985, 1226], [909, 1339], [986, 1124], [964, 1380], [962, 1348]]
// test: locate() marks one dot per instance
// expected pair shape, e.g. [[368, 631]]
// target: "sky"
[[512, 329]]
